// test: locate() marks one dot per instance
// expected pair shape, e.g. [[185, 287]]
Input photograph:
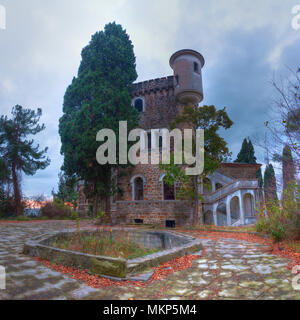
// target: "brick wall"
[[239, 170]]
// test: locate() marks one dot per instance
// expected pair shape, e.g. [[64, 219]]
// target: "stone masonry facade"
[[234, 194]]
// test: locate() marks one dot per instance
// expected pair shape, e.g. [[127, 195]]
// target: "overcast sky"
[[245, 44]]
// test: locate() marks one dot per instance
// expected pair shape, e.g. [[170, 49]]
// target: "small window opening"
[[138, 189], [149, 141], [169, 192], [138, 221], [177, 80], [170, 223], [196, 67], [160, 143], [139, 105]]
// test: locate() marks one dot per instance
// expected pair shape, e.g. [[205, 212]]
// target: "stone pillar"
[[213, 186], [228, 212], [215, 214], [241, 207]]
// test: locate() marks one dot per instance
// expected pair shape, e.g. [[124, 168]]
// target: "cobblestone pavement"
[[230, 269]]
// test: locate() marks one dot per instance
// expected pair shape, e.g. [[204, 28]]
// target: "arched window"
[[138, 189], [139, 105], [169, 191]]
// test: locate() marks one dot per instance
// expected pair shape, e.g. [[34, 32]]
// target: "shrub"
[[57, 210], [7, 208], [74, 215], [281, 219]]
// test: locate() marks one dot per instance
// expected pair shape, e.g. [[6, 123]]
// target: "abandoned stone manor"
[[234, 191]]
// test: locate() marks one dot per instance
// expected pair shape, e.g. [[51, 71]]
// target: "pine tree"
[[20, 153], [247, 155], [270, 187], [288, 168], [98, 98]]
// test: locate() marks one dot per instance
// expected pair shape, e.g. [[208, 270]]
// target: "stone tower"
[[146, 198], [187, 65]]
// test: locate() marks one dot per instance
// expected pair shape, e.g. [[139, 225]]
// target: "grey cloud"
[[243, 43]]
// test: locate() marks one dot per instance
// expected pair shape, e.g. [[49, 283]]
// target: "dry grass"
[[103, 243]]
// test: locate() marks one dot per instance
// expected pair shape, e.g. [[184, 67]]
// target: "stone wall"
[[160, 104], [153, 212]]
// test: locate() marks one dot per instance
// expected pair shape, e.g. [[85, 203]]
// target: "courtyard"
[[227, 268]]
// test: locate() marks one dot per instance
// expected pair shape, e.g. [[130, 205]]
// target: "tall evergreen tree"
[[247, 155], [98, 98], [270, 187], [18, 151], [288, 168]]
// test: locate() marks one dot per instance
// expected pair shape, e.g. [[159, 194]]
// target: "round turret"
[[187, 65]]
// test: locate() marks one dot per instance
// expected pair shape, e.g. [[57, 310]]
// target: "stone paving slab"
[[230, 269]]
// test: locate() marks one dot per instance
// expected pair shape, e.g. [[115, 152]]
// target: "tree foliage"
[[270, 187], [67, 191], [18, 150], [211, 121], [247, 155], [288, 168], [98, 98], [285, 125]]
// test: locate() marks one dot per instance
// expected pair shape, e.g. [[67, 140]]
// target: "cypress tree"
[[288, 168], [247, 155], [98, 98], [270, 187]]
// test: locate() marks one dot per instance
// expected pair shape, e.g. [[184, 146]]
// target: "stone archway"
[[235, 212], [221, 215], [208, 217], [249, 208]]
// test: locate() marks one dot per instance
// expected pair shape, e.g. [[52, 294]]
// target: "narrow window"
[[169, 192], [177, 80], [139, 105], [160, 143], [138, 189], [196, 68], [149, 141]]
